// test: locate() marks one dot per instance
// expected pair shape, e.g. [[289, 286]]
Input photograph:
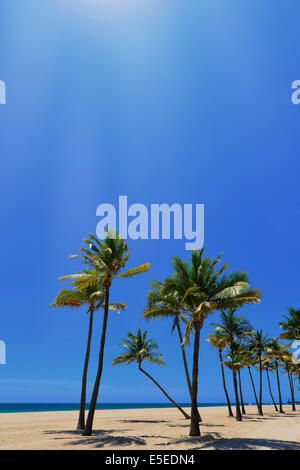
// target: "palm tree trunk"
[[89, 422], [279, 390], [165, 393], [230, 414], [260, 387], [237, 401], [275, 406], [188, 379], [81, 419], [241, 393], [292, 390], [253, 386], [195, 428]]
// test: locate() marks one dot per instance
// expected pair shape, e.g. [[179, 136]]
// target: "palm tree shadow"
[[248, 444], [99, 438], [145, 421]]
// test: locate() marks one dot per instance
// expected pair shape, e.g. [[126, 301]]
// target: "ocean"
[[37, 407]]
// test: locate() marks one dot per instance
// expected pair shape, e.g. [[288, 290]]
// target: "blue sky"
[[173, 101]]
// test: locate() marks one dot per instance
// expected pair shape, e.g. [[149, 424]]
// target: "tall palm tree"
[[235, 362], [259, 342], [268, 366], [160, 306], [240, 348], [107, 258], [200, 290], [233, 328], [249, 362], [92, 298], [218, 341], [138, 349], [289, 367], [276, 351]]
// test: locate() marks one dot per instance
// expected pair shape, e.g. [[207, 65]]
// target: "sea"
[[38, 407]]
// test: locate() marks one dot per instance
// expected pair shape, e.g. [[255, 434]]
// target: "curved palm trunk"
[[269, 384], [292, 390], [188, 379], [237, 400], [260, 387], [81, 419], [253, 386], [230, 414], [279, 390], [89, 422], [195, 428], [165, 393], [241, 393]]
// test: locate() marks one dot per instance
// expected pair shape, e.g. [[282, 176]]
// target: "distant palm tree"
[[233, 328], [200, 290], [258, 343], [161, 305], [107, 258], [275, 352], [92, 298], [138, 349], [218, 341], [235, 362], [268, 366], [291, 325]]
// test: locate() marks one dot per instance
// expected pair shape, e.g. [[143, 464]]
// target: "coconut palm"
[[258, 343], [249, 360], [160, 306], [289, 367], [218, 341], [241, 349], [92, 298], [138, 349], [291, 325], [107, 258], [201, 289], [275, 352], [268, 366], [233, 328], [234, 361]]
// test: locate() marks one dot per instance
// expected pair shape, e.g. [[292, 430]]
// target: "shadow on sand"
[[99, 438]]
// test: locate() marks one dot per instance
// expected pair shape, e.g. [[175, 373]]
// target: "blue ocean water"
[[37, 407]]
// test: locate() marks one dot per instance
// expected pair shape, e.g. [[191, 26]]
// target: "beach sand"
[[151, 429]]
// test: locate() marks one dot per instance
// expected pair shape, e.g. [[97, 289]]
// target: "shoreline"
[[151, 429]]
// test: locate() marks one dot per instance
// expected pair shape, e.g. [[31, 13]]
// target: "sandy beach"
[[151, 429]]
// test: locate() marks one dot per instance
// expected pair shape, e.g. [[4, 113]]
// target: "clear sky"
[[172, 101]]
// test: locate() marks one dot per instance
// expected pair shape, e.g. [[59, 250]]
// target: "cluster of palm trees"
[[192, 292], [239, 347]]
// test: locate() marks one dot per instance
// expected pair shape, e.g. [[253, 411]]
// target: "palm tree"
[[107, 258], [275, 351], [258, 343], [235, 363], [250, 361], [240, 348], [291, 326], [218, 341], [138, 349], [268, 365], [290, 369], [160, 306], [200, 290], [233, 328]]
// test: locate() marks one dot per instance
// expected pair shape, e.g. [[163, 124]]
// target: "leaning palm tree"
[[218, 341], [107, 258], [92, 298], [258, 343], [201, 289], [160, 306], [233, 328], [235, 362], [138, 349], [275, 352], [268, 366]]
